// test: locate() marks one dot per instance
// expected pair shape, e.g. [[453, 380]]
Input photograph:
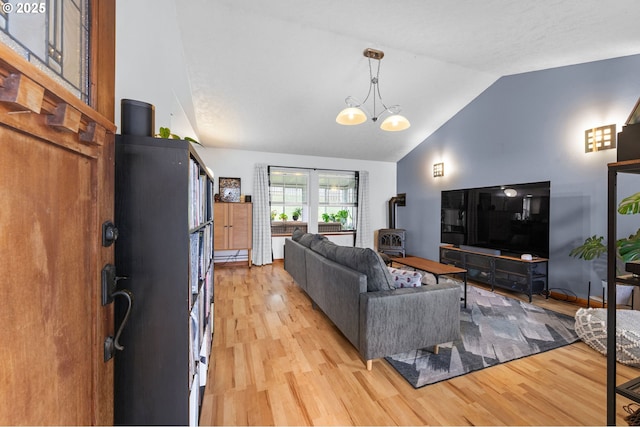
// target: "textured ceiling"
[[272, 75]]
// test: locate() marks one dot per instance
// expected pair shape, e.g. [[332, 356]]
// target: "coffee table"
[[435, 268]]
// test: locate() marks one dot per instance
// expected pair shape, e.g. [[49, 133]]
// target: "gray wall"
[[525, 128]]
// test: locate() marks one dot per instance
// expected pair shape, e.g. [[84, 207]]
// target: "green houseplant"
[[628, 248], [328, 217], [166, 133], [297, 213], [342, 216], [283, 216]]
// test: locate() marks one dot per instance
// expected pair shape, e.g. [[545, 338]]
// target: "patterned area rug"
[[494, 329]]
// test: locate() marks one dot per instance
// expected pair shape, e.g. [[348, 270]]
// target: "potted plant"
[[297, 213], [166, 133], [328, 217], [342, 216], [283, 216], [627, 248], [274, 213]]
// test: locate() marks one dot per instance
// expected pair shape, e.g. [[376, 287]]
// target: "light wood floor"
[[276, 361]]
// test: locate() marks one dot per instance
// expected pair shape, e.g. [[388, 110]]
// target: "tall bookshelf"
[[164, 216]]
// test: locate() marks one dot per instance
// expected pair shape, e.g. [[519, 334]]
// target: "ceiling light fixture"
[[354, 114], [510, 192]]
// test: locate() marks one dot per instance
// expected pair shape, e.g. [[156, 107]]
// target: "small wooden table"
[[435, 268]]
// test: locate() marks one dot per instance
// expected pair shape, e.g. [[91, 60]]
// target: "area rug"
[[494, 329]]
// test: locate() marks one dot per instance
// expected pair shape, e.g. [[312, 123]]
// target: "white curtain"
[[364, 234], [261, 217]]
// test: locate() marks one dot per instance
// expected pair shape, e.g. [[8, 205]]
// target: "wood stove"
[[391, 241]]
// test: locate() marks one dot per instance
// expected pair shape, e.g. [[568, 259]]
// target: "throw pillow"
[[405, 278]]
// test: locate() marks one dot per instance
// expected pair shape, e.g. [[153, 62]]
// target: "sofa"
[[354, 288]]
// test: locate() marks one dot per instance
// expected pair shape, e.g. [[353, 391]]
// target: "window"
[[338, 198], [288, 192], [54, 36], [312, 200]]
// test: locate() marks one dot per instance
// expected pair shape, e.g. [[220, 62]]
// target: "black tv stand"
[[501, 271]]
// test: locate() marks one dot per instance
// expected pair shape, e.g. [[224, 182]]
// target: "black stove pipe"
[[399, 200]]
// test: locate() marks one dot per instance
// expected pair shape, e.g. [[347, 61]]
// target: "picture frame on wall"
[[229, 189]]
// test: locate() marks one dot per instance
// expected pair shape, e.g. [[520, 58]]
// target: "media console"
[[506, 272]]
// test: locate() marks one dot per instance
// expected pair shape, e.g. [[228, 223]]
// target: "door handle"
[[129, 296], [109, 292]]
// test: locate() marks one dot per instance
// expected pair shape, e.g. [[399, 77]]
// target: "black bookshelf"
[[163, 205]]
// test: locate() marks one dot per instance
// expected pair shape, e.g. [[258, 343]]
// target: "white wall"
[[229, 163], [150, 65]]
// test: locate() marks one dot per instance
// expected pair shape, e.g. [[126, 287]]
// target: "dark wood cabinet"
[[164, 253]]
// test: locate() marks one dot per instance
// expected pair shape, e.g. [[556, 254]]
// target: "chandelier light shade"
[[351, 116], [395, 123], [355, 114]]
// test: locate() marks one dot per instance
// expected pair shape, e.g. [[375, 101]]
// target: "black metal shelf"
[[629, 389]]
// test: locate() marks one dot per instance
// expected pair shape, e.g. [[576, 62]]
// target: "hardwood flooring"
[[277, 361]]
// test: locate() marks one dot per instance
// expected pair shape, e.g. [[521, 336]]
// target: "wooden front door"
[[56, 190]]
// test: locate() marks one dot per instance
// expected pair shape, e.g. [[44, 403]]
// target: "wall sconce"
[[438, 169], [598, 139]]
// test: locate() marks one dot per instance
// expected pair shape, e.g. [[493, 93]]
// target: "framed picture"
[[229, 189]]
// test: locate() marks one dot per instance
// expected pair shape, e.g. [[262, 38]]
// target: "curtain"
[[364, 234], [261, 217]]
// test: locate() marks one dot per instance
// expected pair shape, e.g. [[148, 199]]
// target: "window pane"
[[338, 198], [54, 36], [288, 190]]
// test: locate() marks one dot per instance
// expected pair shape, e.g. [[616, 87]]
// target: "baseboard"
[[231, 264]]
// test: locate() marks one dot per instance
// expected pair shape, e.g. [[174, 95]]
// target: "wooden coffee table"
[[435, 268]]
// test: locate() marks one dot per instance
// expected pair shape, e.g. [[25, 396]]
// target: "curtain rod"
[[315, 169]]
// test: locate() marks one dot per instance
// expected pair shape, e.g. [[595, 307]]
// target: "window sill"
[[333, 233]]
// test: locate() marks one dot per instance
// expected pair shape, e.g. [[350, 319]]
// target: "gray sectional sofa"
[[353, 287]]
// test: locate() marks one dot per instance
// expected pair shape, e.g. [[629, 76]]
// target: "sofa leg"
[[436, 349], [369, 365]]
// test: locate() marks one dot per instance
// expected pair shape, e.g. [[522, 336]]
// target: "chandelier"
[[355, 114]]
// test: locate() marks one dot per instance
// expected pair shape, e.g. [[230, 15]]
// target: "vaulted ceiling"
[[272, 75]]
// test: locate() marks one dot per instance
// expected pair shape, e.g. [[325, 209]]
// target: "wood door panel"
[[220, 230], [240, 220], [56, 189], [47, 282]]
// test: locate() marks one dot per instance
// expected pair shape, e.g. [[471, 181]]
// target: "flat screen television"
[[512, 219]]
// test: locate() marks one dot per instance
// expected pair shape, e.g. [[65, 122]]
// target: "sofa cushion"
[[324, 247], [307, 238], [405, 278], [367, 262], [297, 234]]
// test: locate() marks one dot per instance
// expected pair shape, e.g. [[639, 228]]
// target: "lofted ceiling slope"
[[272, 75]]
